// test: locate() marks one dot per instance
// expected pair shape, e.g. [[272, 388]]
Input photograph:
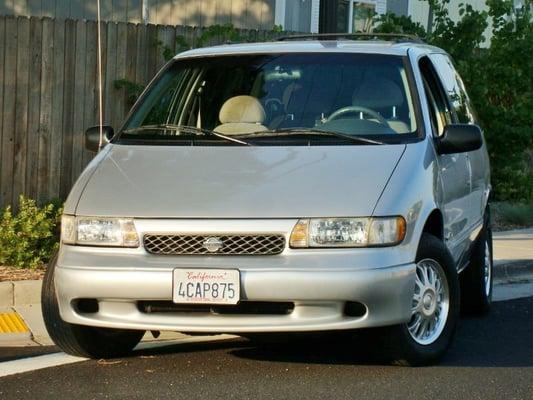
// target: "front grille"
[[214, 245], [244, 307]]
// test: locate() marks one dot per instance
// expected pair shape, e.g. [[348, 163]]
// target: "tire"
[[476, 279], [79, 340], [398, 342]]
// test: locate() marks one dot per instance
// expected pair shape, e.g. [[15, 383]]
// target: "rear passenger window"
[[455, 89]]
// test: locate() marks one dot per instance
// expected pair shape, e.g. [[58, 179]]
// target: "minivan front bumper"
[[118, 282]]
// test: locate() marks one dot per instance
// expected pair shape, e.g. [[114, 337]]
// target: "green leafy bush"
[[512, 215], [29, 237], [499, 79]]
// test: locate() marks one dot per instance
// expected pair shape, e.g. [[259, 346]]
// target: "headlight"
[[347, 232], [97, 231]]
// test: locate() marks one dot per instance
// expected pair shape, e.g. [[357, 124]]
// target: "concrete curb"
[[516, 271], [20, 293]]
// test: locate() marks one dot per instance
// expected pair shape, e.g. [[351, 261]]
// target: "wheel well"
[[434, 224]]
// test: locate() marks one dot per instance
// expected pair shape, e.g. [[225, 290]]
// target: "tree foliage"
[[499, 78]]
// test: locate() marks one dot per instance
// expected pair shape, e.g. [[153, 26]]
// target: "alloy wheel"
[[431, 302]]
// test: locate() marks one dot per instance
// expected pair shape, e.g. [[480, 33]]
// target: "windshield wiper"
[[186, 129], [313, 132]]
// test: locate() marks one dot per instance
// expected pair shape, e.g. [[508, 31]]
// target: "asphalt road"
[[492, 358]]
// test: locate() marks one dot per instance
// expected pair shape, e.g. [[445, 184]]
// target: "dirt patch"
[[19, 274]]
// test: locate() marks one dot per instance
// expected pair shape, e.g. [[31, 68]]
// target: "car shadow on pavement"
[[503, 338]]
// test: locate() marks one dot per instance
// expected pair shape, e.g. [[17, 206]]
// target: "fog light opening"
[[87, 306], [354, 309]]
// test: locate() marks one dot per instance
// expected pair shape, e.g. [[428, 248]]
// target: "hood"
[[238, 182]]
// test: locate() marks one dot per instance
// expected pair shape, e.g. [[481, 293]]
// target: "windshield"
[[279, 98]]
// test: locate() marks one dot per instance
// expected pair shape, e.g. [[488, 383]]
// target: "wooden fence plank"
[[110, 68], [68, 108], [120, 103], [8, 125], [152, 51], [45, 117], [141, 59], [79, 100], [21, 107], [57, 107], [131, 60], [2, 55], [90, 105], [34, 105]]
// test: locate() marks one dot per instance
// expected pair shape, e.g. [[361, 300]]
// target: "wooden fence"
[[48, 94]]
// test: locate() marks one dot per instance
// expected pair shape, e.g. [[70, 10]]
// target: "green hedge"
[[29, 237], [499, 79]]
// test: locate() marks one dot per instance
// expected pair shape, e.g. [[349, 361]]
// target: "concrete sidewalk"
[[513, 266], [513, 245]]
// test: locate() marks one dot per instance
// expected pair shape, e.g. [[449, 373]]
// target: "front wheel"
[[78, 340], [435, 305]]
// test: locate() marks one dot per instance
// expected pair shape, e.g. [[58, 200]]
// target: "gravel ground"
[[18, 274]]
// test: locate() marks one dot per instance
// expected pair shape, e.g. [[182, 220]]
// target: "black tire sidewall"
[[472, 279]]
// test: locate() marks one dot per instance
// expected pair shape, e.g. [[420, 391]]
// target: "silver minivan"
[[319, 183]]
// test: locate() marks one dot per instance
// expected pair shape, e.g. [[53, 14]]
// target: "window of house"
[[343, 15], [362, 15]]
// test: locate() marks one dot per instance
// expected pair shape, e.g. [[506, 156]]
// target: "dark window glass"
[[455, 88], [343, 9], [354, 94], [438, 105]]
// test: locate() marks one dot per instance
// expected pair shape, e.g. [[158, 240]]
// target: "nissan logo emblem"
[[213, 244]]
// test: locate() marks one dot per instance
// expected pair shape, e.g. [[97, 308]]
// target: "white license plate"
[[206, 286]]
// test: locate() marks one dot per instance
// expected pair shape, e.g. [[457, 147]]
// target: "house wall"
[[398, 7], [298, 15], [249, 14]]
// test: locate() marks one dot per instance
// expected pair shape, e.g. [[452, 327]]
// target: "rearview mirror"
[[459, 138], [92, 137]]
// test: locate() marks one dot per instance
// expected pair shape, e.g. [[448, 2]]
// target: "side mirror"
[[92, 137], [459, 138]]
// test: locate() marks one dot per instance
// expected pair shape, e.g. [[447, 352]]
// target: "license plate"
[[206, 286]]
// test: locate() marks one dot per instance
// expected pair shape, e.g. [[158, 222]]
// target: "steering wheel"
[[274, 106], [357, 109]]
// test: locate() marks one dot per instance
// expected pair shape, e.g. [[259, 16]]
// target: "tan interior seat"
[[241, 115], [381, 93]]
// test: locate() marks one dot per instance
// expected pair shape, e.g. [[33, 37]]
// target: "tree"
[[499, 79]]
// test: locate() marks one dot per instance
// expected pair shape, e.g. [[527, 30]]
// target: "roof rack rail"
[[394, 37]]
